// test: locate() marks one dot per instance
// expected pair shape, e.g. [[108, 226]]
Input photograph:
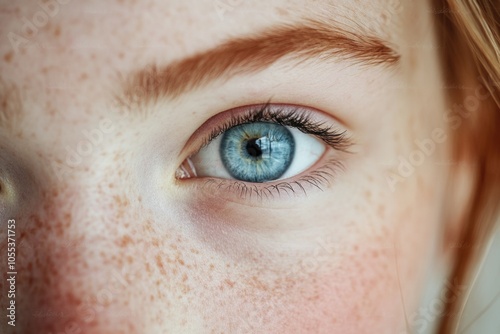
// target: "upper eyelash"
[[295, 117]]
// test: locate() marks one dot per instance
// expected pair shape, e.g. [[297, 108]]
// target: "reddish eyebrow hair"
[[255, 53]]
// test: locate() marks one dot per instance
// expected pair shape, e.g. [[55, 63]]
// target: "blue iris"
[[257, 152]]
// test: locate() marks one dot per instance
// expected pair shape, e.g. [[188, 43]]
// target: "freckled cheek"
[[362, 292], [356, 294], [282, 293], [359, 293], [76, 261], [357, 289], [215, 275], [182, 278]]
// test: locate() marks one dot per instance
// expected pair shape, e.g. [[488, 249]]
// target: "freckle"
[[57, 31], [282, 11], [160, 265], [67, 216], [380, 211], [8, 57], [368, 194], [84, 76], [148, 226], [313, 298], [257, 283], [229, 283], [125, 241], [37, 222]]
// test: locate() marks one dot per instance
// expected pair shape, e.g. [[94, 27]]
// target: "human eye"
[[267, 150]]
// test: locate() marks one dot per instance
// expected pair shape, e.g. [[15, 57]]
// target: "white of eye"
[[308, 150]]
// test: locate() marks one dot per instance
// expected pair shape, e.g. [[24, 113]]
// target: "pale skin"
[[113, 243]]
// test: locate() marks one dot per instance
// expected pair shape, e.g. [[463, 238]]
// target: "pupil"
[[253, 148]]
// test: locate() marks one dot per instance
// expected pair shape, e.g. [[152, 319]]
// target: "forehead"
[[60, 45], [183, 26]]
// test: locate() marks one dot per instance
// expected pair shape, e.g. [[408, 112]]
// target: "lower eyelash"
[[319, 179]]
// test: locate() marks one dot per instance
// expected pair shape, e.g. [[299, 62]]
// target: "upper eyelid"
[[296, 117], [212, 127]]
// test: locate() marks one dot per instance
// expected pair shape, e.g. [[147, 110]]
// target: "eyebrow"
[[253, 54]]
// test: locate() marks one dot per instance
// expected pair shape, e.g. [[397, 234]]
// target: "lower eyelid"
[[319, 177]]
